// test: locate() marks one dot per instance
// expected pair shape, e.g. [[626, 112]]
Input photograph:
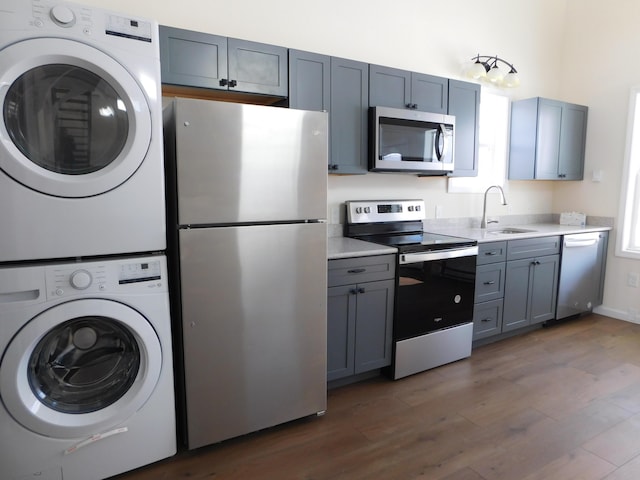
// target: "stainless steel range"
[[435, 284]]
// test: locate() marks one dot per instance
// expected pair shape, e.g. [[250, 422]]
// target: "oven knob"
[[80, 279], [358, 209], [367, 210], [63, 16], [411, 208], [417, 208]]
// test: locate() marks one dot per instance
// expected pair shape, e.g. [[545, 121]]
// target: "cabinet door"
[[429, 93], [257, 68], [309, 75], [464, 103], [515, 313], [373, 325], [192, 59], [341, 330], [348, 116], [548, 139], [572, 142], [602, 266], [389, 87], [544, 288]]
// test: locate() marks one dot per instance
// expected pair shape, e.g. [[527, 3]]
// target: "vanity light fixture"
[[486, 68]]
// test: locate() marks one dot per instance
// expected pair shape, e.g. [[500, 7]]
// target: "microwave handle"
[[441, 137]]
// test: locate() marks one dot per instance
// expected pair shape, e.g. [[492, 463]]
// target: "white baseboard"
[[615, 313]]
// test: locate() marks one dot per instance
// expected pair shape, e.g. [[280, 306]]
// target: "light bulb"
[[476, 71], [495, 75], [511, 80]]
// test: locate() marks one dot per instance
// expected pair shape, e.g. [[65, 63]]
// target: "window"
[[492, 149], [629, 238]]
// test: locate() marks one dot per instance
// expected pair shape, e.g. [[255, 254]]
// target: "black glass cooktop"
[[419, 241]]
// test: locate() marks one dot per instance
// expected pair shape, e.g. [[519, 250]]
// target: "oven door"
[[435, 291]]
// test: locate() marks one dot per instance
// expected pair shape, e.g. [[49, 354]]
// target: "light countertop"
[[533, 230], [344, 247]]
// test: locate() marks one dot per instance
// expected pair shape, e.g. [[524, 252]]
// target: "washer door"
[[74, 122], [80, 368]]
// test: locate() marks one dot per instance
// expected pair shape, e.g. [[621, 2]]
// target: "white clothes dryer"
[[81, 163], [86, 369]]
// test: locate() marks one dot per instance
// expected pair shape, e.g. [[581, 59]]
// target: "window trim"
[[627, 191]]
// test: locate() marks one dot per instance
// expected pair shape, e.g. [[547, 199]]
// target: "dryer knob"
[[63, 15], [80, 279]]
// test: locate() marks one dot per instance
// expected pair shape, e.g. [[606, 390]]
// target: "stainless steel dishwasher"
[[581, 273]]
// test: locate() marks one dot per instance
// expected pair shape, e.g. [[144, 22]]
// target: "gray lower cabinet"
[[531, 281], [489, 289], [547, 140], [360, 315], [395, 88], [196, 59]]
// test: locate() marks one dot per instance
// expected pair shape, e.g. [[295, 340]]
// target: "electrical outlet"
[[633, 279]]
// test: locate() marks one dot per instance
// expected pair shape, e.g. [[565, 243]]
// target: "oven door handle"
[[406, 258]]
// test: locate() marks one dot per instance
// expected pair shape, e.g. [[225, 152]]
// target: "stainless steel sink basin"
[[509, 231]]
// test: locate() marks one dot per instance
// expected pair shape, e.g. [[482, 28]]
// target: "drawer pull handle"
[[361, 290], [490, 282], [488, 319], [357, 270], [490, 254]]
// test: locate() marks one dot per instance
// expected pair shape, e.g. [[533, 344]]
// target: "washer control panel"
[[125, 275]]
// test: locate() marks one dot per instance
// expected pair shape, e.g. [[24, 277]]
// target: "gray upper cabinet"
[[391, 87], [464, 104], [196, 59], [547, 140], [309, 77], [348, 116]]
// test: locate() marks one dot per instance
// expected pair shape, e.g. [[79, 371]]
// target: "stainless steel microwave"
[[410, 141]]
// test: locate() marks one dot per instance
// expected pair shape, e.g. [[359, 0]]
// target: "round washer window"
[[83, 365], [66, 119]]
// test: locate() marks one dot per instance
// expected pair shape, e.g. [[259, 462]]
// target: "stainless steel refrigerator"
[[247, 188]]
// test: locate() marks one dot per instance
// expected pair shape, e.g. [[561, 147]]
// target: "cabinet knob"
[[223, 82], [353, 291], [361, 290], [232, 83]]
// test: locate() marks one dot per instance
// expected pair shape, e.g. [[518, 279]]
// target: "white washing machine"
[[86, 372], [81, 163]]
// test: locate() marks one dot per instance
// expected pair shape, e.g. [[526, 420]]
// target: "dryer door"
[[74, 122], [80, 368]]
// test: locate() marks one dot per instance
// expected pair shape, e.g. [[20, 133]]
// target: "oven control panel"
[[374, 211]]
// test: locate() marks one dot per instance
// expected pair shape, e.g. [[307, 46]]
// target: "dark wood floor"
[[559, 403]]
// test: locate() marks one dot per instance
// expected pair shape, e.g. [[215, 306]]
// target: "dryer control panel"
[[130, 275]]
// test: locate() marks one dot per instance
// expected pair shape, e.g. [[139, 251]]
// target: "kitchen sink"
[[509, 231]]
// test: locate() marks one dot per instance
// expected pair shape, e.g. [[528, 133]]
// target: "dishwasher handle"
[[580, 242]]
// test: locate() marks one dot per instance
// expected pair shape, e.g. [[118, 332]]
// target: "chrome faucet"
[[484, 222]]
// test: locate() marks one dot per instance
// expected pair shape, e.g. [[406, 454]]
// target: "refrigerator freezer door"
[[254, 324], [241, 163]]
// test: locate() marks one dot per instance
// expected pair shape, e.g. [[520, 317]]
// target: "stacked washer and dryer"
[[86, 370]]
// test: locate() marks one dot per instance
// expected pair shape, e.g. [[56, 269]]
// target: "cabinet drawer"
[[487, 319], [532, 247], [492, 252], [489, 282], [361, 269]]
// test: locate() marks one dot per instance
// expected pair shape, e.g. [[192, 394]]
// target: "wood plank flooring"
[[559, 403]]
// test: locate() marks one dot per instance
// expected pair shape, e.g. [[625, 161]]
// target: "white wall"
[[600, 66], [575, 50]]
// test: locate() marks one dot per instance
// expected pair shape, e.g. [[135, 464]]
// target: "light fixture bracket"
[[486, 67]]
